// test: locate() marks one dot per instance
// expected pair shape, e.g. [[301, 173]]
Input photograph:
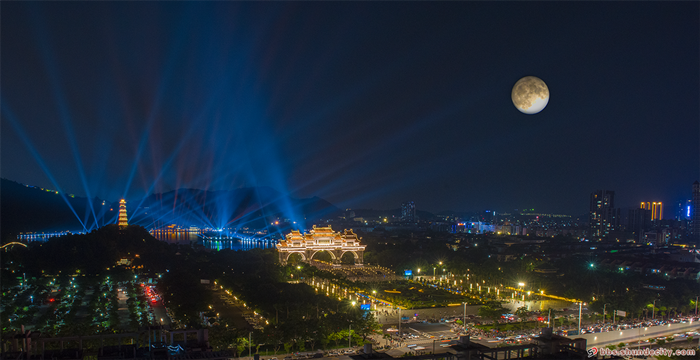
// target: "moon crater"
[[530, 95]]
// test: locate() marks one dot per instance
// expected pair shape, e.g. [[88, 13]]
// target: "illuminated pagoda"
[[321, 239], [122, 214]]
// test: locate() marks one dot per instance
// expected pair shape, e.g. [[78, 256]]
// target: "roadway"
[[233, 314]]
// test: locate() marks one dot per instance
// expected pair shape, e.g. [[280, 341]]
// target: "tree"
[[288, 347], [521, 312], [323, 340], [221, 337], [335, 337], [493, 310], [241, 343], [274, 336], [365, 324]]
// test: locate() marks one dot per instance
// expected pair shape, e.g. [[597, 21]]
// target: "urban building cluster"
[[643, 224]]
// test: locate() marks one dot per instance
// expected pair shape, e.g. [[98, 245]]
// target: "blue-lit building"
[[683, 209], [695, 213]]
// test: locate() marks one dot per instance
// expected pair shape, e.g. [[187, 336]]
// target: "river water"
[[187, 238], [237, 244]]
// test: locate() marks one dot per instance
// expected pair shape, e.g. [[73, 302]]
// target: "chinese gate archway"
[[321, 239]]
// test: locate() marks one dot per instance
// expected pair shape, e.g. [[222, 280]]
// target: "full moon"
[[530, 95]]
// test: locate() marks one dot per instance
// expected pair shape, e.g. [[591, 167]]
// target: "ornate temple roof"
[[321, 237]]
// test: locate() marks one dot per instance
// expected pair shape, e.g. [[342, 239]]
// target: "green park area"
[[414, 295]]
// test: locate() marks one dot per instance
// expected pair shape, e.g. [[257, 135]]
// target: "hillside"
[[26, 208], [29, 209]]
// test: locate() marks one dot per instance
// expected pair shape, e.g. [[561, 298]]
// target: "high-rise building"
[[683, 209], [639, 221], [695, 213], [122, 214], [604, 217], [656, 208], [408, 212]]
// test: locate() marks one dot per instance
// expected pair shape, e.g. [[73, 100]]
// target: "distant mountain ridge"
[[26, 208], [224, 208]]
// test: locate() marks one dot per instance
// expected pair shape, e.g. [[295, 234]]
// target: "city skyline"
[[409, 103]]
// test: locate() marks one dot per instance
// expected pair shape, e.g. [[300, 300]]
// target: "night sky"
[[364, 104]]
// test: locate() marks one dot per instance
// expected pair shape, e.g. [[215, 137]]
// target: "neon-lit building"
[[695, 213], [683, 209], [656, 208], [122, 214]]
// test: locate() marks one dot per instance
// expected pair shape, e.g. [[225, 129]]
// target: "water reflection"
[[176, 237], [237, 244], [214, 241]]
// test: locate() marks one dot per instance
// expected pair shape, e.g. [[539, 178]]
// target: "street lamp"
[[434, 274], [464, 317], [400, 336], [580, 307], [604, 305]]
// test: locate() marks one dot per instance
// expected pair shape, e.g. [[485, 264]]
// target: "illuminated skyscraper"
[[695, 212], [604, 217], [122, 214], [683, 209], [639, 221], [408, 212], [656, 209]]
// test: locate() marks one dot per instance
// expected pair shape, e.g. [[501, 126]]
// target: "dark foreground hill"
[[95, 252]]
